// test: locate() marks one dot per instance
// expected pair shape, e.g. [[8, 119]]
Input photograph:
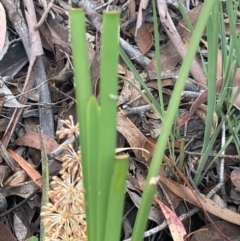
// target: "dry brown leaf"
[[17, 179], [209, 233], [235, 178], [169, 196], [6, 234], [150, 148], [210, 206], [2, 100], [4, 173], [179, 39], [131, 9], [141, 17], [45, 34], [175, 225], [169, 57], [165, 82], [145, 38], [31, 139], [128, 93], [32, 173], [95, 73], [49, 35], [201, 112], [61, 29], [134, 137]]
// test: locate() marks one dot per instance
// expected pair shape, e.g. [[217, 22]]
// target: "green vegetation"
[[104, 173], [98, 119]]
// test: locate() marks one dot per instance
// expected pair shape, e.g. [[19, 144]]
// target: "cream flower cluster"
[[64, 217]]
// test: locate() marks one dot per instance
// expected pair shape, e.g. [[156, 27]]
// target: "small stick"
[[44, 16]]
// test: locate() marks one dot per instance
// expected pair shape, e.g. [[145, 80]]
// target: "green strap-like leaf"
[[108, 104], [91, 187], [116, 199], [83, 85]]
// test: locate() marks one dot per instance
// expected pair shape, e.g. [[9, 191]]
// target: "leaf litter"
[[45, 73]]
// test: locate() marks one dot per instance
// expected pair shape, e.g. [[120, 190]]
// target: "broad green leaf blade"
[[108, 116], [116, 199], [83, 83], [91, 188], [149, 190]]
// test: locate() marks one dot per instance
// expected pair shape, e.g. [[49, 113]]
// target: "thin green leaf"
[[108, 103], [116, 199], [158, 61], [149, 189], [185, 17], [212, 37], [83, 85], [94, 170]]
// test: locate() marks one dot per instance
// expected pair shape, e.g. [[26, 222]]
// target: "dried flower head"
[[68, 191], [64, 217], [67, 224], [69, 130], [71, 161]]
